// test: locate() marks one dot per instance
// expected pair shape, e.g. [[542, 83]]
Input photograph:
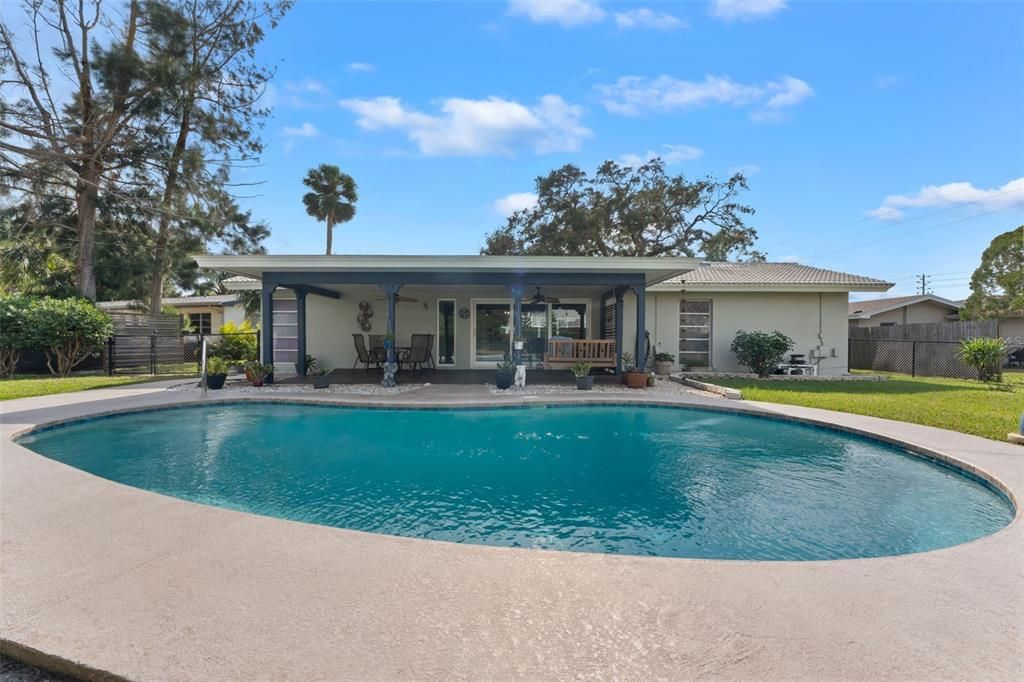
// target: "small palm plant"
[[331, 199], [985, 355]]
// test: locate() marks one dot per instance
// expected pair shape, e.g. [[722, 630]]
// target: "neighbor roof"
[[863, 310], [771, 276], [216, 299]]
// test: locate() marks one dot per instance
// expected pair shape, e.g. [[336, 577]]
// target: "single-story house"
[[886, 312], [205, 314], [688, 308]]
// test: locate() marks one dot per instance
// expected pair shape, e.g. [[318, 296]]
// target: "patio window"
[[695, 333], [446, 331], [201, 322], [286, 331]]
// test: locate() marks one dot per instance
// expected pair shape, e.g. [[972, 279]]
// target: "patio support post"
[[619, 291], [641, 326], [391, 366], [267, 322], [300, 320], [517, 320]]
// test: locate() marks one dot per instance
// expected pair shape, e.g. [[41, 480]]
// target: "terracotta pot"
[[636, 379]]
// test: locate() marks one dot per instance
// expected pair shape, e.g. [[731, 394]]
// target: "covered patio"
[[543, 312]]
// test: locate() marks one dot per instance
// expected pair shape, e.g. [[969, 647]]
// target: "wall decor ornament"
[[365, 313], [463, 313]]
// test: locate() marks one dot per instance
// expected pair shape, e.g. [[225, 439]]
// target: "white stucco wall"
[[814, 322]]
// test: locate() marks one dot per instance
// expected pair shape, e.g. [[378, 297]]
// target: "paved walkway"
[[149, 587]]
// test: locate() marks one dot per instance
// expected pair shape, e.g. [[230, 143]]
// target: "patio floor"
[[478, 377]]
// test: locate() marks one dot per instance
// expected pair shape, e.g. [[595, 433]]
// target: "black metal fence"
[[171, 354], [916, 358]]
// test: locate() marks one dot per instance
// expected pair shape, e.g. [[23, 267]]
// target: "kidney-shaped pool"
[[616, 479]]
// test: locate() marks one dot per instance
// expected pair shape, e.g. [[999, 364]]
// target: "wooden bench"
[[564, 353]]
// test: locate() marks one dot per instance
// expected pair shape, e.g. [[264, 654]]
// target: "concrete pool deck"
[[119, 580]]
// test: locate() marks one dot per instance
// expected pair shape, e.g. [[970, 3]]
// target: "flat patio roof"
[[654, 270]]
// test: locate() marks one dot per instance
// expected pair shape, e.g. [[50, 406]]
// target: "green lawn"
[[972, 407], [24, 386]]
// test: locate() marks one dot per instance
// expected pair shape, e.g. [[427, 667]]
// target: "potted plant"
[[505, 374], [216, 373], [321, 377], [308, 366], [633, 377], [257, 373], [581, 370], [663, 364], [519, 342]]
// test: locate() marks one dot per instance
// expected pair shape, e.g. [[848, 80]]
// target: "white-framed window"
[[695, 333], [201, 322], [286, 331], [447, 320]]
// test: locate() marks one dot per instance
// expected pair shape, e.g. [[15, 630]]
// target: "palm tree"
[[332, 199]]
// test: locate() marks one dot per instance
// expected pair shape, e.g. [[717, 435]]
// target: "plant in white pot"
[[581, 370], [663, 364]]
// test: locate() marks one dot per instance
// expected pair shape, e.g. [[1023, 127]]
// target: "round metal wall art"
[[365, 313], [464, 313]]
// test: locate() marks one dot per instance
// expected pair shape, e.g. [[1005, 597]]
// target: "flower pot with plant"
[[581, 370], [505, 374], [216, 373], [321, 377], [257, 373], [663, 364], [519, 342], [631, 375]]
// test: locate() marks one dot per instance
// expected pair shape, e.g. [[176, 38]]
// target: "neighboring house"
[[205, 313], [691, 309], [885, 312]]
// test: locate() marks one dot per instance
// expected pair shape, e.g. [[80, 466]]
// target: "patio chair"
[[377, 346], [421, 351], [364, 356]]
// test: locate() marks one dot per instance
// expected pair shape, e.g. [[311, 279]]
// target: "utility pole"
[[922, 284]]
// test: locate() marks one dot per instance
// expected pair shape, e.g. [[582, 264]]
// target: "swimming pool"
[[615, 479]]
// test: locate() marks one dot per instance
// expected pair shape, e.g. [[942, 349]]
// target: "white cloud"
[[306, 85], [745, 10], [468, 127], [670, 154], [636, 95], [646, 18], [510, 203], [306, 130], [886, 82], [747, 169], [1010, 194], [565, 13], [361, 67]]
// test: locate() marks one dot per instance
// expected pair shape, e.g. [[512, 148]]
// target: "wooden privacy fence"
[[928, 331], [916, 358]]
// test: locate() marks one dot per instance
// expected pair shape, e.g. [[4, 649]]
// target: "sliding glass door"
[[492, 326]]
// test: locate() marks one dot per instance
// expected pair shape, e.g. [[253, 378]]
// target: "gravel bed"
[[334, 389], [662, 386]]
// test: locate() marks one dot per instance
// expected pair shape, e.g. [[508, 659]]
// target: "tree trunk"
[[156, 288], [87, 191], [330, 232]]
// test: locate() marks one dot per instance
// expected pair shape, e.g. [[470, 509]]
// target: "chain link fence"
[[174, 354], [916, 358]]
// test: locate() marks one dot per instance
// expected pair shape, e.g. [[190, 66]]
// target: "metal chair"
[[364, 356], [421, 351]]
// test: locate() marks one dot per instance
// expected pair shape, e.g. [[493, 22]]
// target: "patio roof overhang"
[[451, 269]]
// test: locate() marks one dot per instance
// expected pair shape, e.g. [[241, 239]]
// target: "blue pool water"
[[626, 480]]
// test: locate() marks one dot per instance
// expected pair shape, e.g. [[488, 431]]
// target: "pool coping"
[[42, 630]]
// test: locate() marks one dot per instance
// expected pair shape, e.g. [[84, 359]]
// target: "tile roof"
[[880, 305], [216, 299], [769, 274]]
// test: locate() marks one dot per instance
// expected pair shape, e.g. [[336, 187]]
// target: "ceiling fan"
[[541, 298], [398, 299]]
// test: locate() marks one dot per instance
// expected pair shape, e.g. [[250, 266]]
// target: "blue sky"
[[880, 138]]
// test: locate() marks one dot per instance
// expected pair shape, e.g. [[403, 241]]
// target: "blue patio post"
[[619, 291], [641, 327], [267, 323], [391, 366], [300, 320]]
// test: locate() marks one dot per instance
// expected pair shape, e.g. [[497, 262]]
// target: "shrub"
[[216, 366], [68, 329], [664, 357], [985, 355], [760, 351], [580, 369], [237, 344], [257, 373], [14, 331]]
